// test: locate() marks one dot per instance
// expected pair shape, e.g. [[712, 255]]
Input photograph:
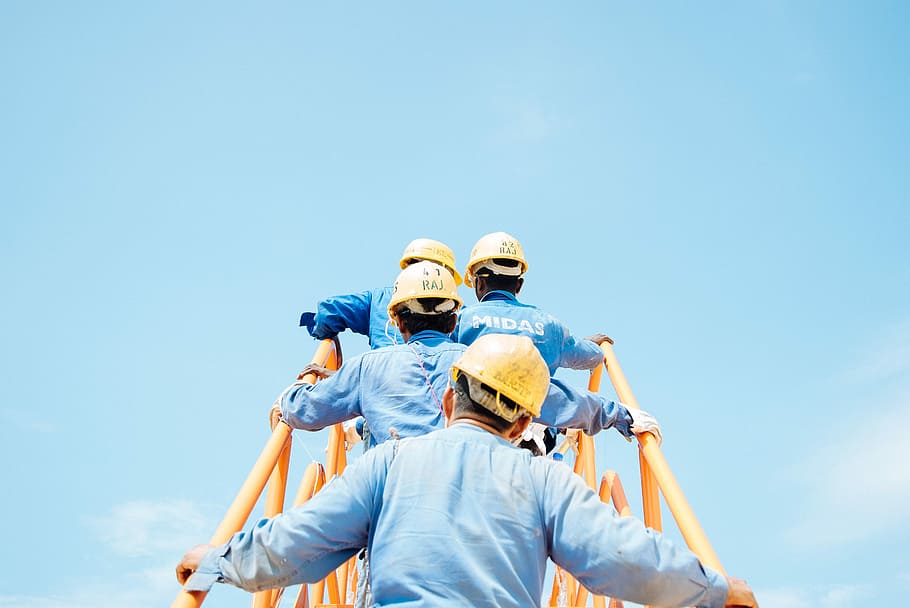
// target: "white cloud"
[[151, 587], [859, 487], [155, 534], [834, 596], [856, 486], [144, 528]]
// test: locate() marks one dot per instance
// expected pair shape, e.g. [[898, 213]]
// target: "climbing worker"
[[496, 272], [398, 389], [460, 517], [366, 312]]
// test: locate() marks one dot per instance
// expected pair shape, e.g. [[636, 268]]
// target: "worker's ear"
[[518, 427], [452, 323], [448, 404], [480, 286], [518, 284]]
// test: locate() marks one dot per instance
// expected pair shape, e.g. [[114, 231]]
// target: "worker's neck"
[[505, 434]]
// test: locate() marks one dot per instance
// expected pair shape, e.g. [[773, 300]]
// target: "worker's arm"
[[338, 313], [300, 546], [617, 556], [567, 407], [315, 406], [578, 353]]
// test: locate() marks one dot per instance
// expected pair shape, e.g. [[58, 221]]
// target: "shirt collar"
[[498, 294], [430, 337]]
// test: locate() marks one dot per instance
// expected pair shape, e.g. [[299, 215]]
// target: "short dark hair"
[[500, 282], [465, 405], [415, 322]]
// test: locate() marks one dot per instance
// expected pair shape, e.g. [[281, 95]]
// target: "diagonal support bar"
[[685, 518]]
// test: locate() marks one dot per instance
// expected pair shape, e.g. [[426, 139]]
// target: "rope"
[[426, 376]]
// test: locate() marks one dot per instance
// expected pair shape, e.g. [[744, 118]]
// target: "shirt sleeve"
[[335, 399], [578, 354], [618, 556], [338, 313], [306, 543], [569, 408]]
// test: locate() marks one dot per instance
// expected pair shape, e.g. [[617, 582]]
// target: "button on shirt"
[[500, 312], [462, 518]]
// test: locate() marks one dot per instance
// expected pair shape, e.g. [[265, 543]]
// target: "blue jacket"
[[462, 518], [364, 313], [391, 388], [501, 312]]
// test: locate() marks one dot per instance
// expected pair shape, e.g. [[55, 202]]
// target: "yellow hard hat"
[[496, 246], [512, 367], [425, 280], [428, 249]]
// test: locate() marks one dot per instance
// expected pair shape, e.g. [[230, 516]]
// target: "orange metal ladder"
[[655, 475], [272, 467]]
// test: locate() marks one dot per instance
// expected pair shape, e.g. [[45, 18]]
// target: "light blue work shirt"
[[391, 388], [462, 518], [500, 312], [364, 313]]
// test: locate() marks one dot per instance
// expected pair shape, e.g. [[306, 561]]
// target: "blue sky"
[[721, 187]]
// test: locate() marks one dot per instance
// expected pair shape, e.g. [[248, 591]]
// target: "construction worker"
[[460, 517], [398, 389], [496, 272], [366, 312]]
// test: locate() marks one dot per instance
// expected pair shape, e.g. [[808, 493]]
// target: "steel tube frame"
[[649, 449], [239, 511]]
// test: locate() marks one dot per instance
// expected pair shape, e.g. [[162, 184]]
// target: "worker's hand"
[[316, 370], [643, 422], [599, 339], [275, 411], [739, 594], [190, 562], [275, 414]]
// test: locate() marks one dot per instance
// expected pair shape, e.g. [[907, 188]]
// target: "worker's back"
[[458, 521], [500, 312], [466, 519], [398, 387]]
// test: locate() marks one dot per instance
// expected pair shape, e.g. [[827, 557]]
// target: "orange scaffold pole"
[[566, 590], [657, 466], [239, 511], [313, 480]]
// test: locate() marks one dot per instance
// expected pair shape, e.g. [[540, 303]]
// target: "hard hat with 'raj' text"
[[434, 251], [425, 288], [491, 248]]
